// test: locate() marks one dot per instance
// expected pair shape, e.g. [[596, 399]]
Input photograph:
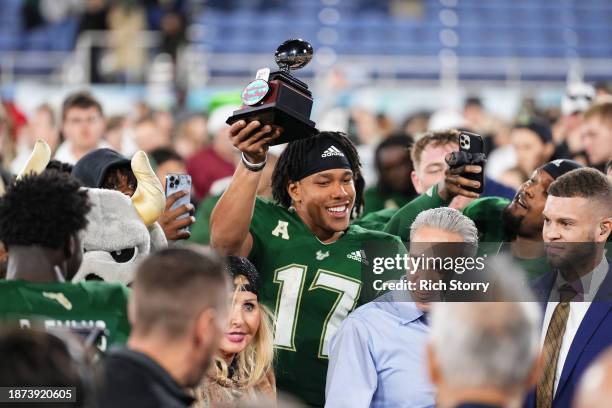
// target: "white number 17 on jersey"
[[291, 280]]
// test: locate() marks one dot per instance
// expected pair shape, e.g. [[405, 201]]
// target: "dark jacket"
[[592, 338], [132, 379]]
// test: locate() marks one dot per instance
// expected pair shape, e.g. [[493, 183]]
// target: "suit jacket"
[[594, 335]]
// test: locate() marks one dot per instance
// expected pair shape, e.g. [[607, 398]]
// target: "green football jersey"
[[80, 305], [311, 287]]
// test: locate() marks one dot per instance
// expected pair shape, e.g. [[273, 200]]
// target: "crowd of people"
[[298, 275]]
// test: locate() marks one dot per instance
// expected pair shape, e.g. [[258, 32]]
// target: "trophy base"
[[294, 126]]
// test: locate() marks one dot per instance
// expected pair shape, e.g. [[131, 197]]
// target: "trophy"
[[279, 99]]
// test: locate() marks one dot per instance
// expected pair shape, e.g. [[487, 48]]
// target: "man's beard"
[[575, 256], [512, 223]]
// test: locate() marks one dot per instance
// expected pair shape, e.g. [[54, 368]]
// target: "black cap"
[[240, 266], [92, 167], [559, 167]]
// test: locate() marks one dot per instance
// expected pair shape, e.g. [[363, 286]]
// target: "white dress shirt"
[[578, 310]]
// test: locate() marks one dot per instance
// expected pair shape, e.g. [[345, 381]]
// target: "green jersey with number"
[[311, 287], [83, 305]]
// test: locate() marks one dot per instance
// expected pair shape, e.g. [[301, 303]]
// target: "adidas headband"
[[323, 155]]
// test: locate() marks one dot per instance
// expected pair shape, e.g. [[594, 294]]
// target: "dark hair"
[[608, 165], [112, 174], [59, 166], [81, 100], [170, 301], [397, 140], [290, 164], [473, 101], [32, 358], [164, 154], [44, 209], [585, 182]]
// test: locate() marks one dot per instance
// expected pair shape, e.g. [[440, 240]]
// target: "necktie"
[[552, 345]]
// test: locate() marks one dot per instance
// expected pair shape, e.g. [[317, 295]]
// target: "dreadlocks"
[[291, 164]]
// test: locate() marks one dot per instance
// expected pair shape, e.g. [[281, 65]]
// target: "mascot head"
[[121, 230]]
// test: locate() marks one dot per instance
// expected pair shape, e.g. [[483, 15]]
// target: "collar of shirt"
[[401, 304], [588, 285]]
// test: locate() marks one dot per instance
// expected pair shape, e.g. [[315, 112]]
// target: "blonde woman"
[[242, 371]]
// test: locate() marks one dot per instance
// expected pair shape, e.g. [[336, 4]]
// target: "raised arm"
[[231, 217]]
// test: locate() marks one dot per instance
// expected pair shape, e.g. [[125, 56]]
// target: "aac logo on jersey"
[[281, 230]]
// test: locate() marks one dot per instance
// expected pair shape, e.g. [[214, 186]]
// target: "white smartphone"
[[179, 182]]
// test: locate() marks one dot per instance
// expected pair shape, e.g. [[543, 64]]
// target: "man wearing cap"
[[499, 221], [315, 267]]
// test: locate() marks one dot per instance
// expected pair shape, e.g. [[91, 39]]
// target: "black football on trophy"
[[293, 54]]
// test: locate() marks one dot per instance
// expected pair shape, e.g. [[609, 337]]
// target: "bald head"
[[595, 389]]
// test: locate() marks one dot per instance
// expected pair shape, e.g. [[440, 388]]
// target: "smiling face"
[[324, 201], [524, 214], [244, 320]]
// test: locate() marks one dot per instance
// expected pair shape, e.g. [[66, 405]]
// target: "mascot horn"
[[38, 160]]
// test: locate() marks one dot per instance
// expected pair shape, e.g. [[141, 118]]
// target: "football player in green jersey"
[[315, 268], [499, 221], [41, 217]]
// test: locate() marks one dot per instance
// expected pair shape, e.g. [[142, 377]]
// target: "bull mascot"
[[121, 230]]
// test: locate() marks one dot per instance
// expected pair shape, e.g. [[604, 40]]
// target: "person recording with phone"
[[500, 221], [105, 168]]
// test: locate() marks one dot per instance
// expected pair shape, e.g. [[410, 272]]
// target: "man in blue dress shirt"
[[377, 358]]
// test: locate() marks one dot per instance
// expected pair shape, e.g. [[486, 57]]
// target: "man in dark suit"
[[577, 295]]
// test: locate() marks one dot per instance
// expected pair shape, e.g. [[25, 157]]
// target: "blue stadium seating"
[[500, 28]]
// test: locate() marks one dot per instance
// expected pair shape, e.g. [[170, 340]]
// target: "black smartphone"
[[471, 151]]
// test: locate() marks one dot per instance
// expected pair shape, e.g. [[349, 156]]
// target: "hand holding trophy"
[[279, 99]]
